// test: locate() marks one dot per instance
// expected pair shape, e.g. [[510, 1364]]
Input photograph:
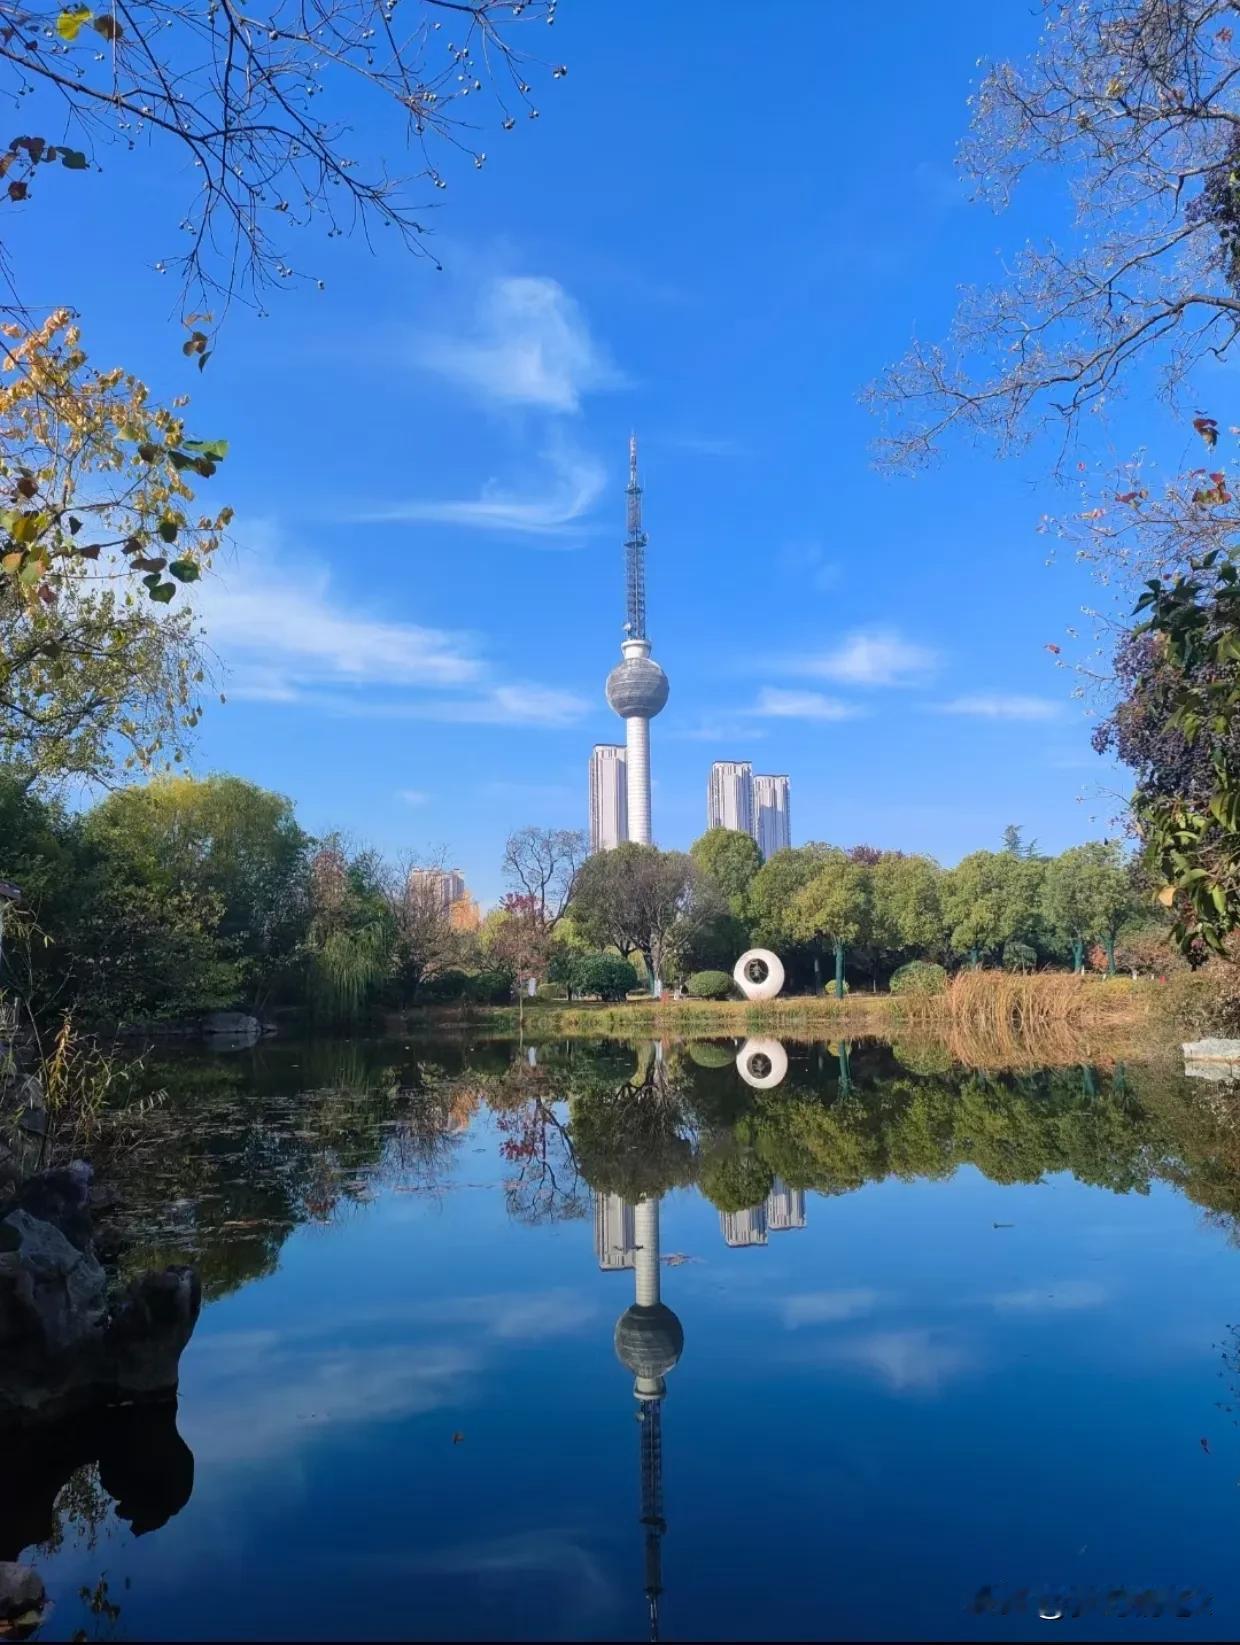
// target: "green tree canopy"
[[1087, 895], [731, 859], [908, 904], [835, 904], [991, 898]]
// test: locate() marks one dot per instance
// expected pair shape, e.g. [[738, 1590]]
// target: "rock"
[[1212, 1051], [21, 1592], [231, 1023], [62, 1346]]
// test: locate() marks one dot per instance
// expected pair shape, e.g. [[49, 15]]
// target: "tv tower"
[[637, 687]]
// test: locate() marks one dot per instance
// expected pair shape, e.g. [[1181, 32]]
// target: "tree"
[[638, 900], [836, 904], [225, 839], [1136, 104], [543, 863], [990, 898], [908, 904], [516, 940], [1014, 842], [97, 535], [1187, 803], [774, 888], [1087, 895], [731, 859], [605, 975], [424, 944], [258, 106]]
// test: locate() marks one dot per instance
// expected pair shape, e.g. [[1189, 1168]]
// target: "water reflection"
[[461, 1169], [61, 1479]]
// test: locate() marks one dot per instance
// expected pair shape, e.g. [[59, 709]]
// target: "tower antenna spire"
[[635, 552]]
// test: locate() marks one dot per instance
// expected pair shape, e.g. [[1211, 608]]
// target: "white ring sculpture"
[[762, 1064], [770, 974]]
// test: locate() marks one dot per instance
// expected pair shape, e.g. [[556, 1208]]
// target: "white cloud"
[[915, 1361], [282, 626], [574, 486], [870, 657], [808, 565], [413, 796], [1067, 1296], [530, 345], [826, 1307], [287, 634], [801, 705], [998, 706]]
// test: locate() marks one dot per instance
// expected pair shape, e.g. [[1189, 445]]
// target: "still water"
[[924, 1352]]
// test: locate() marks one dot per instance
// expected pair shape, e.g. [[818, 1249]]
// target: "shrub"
[[1019, 956], [919, 977], [448, 985], [830, 990], [709, 985], [606, 975], [490, 988], [710, 1054], [552, 991]]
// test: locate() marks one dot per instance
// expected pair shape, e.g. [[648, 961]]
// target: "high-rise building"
[[609, 808], [746, 1227], [615, 1242], [729, 796], [772, 827], [444, 885], [785, 1207], [637, 686]]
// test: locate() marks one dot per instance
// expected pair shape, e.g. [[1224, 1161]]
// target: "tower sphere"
[[649, 1340], [637, 687]]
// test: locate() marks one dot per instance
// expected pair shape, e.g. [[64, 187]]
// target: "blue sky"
[[715, 235]]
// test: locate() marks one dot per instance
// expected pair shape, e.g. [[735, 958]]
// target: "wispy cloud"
[[286, 633], [916, 1361], [775, 704], [811, 565], [1065, 1296], [1002, 706], [705, 445], [413, 796], [573, 486], [872, 657], [529, 345], [826, 1307], [282, 626]]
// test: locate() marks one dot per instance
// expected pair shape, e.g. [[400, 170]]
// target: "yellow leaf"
[[1167, 895], [69, 24]]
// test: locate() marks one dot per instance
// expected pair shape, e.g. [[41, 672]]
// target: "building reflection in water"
[[649, 1337]]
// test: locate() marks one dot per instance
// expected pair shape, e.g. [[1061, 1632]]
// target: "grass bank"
[[983, 1011]]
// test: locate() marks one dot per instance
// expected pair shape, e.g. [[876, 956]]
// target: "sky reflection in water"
[[912, 1379]]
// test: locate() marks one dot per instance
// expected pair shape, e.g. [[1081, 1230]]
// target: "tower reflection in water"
[[649, 1337]]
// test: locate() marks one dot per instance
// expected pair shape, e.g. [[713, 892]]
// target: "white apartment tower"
[[772, 827], [609, 809], [729, 796]]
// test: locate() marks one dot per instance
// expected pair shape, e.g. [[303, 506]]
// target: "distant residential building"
[[615, 1239], [785, 1207], [609, 811], [729, 796], [444, 885], [744, 1227], [772, 825]]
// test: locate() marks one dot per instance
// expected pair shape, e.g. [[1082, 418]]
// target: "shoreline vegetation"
[[982, 1019]]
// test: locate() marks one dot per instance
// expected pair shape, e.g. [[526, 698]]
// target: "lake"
[[908, 1351]]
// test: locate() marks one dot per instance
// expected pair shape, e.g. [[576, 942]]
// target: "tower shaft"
[[637, 777]]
